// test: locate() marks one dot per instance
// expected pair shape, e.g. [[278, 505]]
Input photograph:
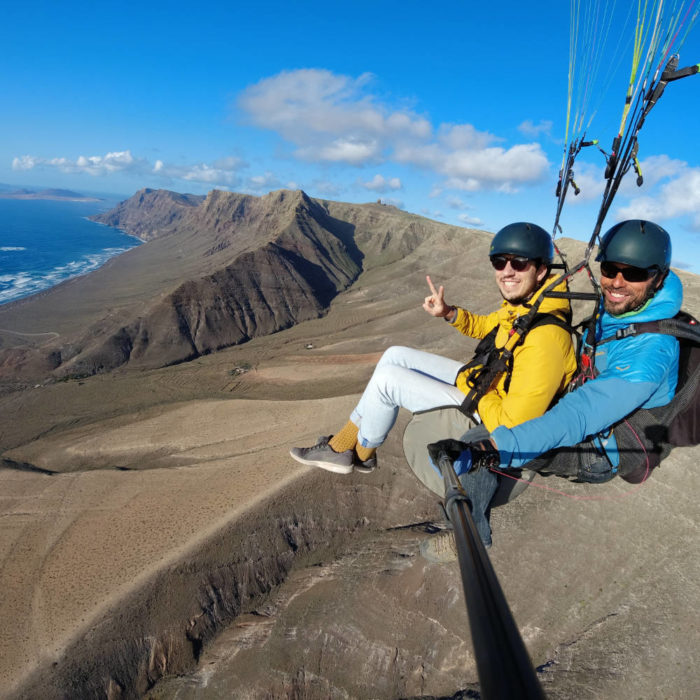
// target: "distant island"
[[67, 195]]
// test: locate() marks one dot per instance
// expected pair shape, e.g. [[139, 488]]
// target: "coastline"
[[49, 240]]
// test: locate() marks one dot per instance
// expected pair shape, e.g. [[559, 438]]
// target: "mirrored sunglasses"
[[629, 274], [517, 262]]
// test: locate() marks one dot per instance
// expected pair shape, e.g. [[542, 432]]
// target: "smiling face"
[[518, 286], [621, 296]]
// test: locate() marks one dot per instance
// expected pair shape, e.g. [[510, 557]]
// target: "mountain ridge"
[[213, 272]]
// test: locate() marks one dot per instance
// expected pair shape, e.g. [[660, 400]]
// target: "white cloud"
[[113, 162], [654, 170], [590, 180], [351, 151], [479, 168], [531, 130], [470, 220], [334, 118], [457, 203], [327, 116], [521, 163], [221, 172], [24, 162], [464, 137], [680, 196], [381, 184], [201, 172]]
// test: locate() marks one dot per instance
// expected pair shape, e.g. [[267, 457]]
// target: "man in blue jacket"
[[638, 371]]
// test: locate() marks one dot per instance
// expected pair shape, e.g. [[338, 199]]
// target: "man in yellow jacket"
[[542, 365], [521, 255]]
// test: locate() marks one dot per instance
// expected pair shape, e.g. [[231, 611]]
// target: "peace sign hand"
[[434, 304]]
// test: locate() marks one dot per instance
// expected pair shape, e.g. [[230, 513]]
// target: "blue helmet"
[[524, 239], [638, 243]]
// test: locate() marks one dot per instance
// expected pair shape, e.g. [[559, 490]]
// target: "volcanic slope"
[[213, 272]]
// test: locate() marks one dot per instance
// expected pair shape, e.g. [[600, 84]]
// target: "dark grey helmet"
[[524, 239], [636, 242]]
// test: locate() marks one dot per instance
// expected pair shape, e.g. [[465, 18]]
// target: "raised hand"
[[434, 303]]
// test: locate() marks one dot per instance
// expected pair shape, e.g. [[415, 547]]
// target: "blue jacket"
[[635, 372]]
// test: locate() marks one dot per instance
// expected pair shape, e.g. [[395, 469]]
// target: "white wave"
[[24, 283], [11, 248]]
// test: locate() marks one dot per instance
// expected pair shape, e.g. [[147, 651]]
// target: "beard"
[[632, 303]]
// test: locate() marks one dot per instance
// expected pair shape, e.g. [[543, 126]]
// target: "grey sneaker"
[[366, 467], [322, 455], [440, 548]]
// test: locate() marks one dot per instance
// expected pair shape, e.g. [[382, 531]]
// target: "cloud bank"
[[113, 162], [338, 122], [224, 171], [330, 118], [675, 192]]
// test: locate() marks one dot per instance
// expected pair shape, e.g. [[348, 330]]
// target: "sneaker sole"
[[364, 470], [328, 466]]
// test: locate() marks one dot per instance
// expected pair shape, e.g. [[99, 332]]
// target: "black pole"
[[504, 667]]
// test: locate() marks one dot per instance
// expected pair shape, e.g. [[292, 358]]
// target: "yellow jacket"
[[543, 363]]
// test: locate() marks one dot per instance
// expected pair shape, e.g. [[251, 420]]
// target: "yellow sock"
[[345, 439], [364, 453]]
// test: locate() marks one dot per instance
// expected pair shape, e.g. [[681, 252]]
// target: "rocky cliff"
[[150, 213]]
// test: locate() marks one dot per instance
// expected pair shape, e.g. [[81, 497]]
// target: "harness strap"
[[682, 325], [495, 361]]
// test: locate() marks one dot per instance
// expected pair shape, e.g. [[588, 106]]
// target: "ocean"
[[44, 242]]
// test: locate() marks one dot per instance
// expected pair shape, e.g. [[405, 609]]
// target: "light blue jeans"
[[407, 378]]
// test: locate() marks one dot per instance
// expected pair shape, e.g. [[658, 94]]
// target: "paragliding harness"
[[647, 436], [656, 431], [490, 362]]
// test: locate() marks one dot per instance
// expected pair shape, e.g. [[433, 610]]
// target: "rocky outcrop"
[[151, 213]]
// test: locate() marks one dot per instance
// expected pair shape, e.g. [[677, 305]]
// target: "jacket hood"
[[666, 303]]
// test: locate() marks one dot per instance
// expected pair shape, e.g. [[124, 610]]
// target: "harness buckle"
[[626, 332]]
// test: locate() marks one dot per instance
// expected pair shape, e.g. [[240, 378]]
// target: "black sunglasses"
[[518, 263], [629, 274]]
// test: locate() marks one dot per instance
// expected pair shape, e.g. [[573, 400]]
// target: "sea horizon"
[[46, 242]]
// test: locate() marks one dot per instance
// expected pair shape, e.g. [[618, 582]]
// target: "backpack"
[[677, 424], [647, 436]]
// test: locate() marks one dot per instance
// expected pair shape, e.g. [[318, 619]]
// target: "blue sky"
[[455, 110]]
